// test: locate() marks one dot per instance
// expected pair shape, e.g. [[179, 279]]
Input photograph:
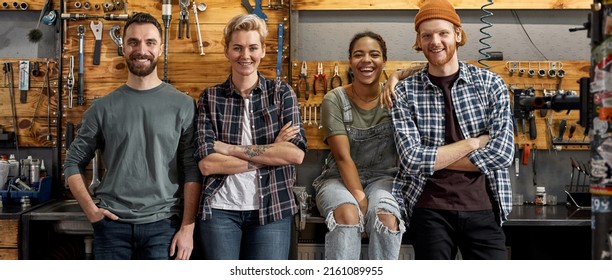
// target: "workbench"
[[533, 232]]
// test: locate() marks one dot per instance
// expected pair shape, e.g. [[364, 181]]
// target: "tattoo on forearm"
[[253, 151], [250, 165]]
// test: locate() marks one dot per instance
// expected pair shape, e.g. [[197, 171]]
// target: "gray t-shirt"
[[146, 139], [333, 121]]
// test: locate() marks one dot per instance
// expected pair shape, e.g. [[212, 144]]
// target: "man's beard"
[[140, 71], [449, 53]]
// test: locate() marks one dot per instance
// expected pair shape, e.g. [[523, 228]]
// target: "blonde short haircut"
[[248, 22]]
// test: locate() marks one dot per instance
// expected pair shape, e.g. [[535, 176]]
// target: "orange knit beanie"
[[436, 9]]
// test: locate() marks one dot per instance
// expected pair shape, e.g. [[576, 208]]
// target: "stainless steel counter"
[[532, 215], [548, 215]]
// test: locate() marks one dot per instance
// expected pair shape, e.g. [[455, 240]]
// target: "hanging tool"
[[81, 34], [335, 77], [35, 69], [166, 18], [547, 93], [95, 180], [73, 16], [8, 70], [533, 130], [24, 80], [319, 77], [40, 98], [115, 34], [201, 7], [562, 127], [526, 154], [571, 131], [309, 114], [257, 10], [486, 35], [70, 81], [517, 161], [247, 6], [183, 18], [279, 55], [304, 113], [97, 29], [577, 167], [303, 79]]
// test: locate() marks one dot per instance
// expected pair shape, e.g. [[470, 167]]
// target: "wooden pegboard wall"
[[574, 70]]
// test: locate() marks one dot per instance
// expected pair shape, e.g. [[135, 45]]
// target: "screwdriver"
[[571, 131], [561, 130]]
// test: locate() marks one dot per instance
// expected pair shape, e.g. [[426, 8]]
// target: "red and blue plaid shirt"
[[219, 118]]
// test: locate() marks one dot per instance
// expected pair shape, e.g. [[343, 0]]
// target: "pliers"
[[335, 77], [303, 79], [184, 18], [317, 77]]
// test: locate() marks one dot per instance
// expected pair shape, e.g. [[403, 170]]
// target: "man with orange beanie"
[[455, 142]]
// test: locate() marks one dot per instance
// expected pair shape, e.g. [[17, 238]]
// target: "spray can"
[[25, 169], [14, 166], [34, 171]]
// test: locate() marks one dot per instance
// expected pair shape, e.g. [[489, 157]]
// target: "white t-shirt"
[[240, 190]]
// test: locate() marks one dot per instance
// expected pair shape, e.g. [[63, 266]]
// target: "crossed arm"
[[233, 159]]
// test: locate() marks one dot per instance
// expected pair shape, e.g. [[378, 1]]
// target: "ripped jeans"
[[343, 242]]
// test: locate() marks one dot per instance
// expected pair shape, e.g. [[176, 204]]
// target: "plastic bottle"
[[540, 197]]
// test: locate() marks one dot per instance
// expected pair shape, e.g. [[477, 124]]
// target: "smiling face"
[[438, 40], [245, 52], [367, 60], [142, 48]]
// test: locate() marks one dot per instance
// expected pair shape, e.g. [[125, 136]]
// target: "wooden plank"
[[9, 231], [9, 254], [459, 4]]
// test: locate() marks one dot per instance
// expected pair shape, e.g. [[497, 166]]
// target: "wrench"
[[81, 33], [95, 180], [97, 31], [70, 81], [197, 20], [316, 122], [309, 115]]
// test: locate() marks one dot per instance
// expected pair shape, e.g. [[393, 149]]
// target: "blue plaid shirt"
[[481, 101], [274, 104]]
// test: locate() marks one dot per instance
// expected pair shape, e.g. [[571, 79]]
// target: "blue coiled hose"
[[485, 34]]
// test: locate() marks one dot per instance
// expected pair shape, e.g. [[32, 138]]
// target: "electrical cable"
[[518, 19], [485, 34]]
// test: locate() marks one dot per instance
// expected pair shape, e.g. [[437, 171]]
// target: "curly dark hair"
[[375, 36]]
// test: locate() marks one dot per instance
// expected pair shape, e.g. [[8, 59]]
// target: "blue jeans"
[[123, 241], [237, 235], [437, 234], [343, 242]]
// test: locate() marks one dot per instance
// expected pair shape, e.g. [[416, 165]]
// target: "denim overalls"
[[374, 154]]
